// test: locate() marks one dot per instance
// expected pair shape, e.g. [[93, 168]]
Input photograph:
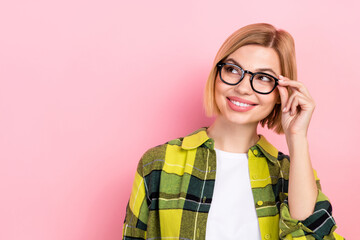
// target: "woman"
[[226, 181]]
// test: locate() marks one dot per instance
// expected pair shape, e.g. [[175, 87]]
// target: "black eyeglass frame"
[[220, 65]]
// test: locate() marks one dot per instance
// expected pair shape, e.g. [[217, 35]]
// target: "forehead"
[[252, 57]]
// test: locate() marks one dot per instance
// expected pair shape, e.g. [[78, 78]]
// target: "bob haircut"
[[265, 35]]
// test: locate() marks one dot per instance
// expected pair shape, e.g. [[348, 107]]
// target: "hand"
[[297, 109]]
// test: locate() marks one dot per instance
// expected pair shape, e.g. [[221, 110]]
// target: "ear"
[[278, 101], [278, 98]]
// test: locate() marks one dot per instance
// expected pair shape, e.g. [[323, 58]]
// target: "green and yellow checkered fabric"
[[174, 184]]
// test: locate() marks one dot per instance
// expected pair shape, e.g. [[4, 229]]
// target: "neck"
[[232, 137]]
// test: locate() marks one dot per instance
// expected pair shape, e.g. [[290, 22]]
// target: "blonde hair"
[[262, 34]]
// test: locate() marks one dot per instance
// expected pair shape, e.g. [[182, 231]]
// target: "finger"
[[300, 102], [294, 95], [294, 84], [294, 106], [284, 96], [289, 103]]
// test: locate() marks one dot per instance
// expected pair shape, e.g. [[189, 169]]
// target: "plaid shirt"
[[174, 184]]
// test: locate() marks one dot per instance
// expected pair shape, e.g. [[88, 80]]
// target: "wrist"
[[296, 141], [295, 136]]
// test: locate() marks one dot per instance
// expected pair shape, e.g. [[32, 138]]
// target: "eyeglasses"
[[260, 82]]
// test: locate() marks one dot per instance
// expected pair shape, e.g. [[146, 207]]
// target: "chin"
[[239, 120]]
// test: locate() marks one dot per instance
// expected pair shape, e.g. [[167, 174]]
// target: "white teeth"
[[240, 104]]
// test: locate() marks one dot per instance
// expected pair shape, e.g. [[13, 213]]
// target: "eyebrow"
[[256, 70]]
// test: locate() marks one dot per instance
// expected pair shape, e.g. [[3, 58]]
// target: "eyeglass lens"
[[261, 82]]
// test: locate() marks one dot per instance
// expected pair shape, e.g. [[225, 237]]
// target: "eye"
[[264, 78], [231, 69]]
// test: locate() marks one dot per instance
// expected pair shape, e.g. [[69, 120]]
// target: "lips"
[[240, 105], [241, 100]]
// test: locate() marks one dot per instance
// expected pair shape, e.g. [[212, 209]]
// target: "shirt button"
[[260, 203], [209, 169], [254, 176], [204, 199], [255, 152], [267, 236]]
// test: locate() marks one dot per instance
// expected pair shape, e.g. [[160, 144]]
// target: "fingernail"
[[281, 76], [284, 109]]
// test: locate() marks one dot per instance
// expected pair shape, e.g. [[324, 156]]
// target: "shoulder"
[[198, 138], [270, 151], [155, 157], [153, 153]]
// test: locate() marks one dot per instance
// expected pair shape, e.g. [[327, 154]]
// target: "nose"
[[244, 87]]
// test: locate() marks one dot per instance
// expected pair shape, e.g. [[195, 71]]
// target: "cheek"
[[220, 91], [220, 87], [220, 94]]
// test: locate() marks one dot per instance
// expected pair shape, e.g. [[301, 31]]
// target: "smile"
[[240, 104]]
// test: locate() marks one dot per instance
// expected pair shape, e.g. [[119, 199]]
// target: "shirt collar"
[[200, 137]]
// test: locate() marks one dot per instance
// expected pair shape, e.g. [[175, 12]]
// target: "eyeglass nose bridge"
[[243, 72], [248, 72]]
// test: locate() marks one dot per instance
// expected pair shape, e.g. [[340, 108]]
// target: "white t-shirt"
[[232, 213]]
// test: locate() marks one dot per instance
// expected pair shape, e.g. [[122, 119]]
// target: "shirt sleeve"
[[135, 223], [319, 225]]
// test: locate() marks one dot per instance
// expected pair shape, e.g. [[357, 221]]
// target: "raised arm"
[[307, 213]]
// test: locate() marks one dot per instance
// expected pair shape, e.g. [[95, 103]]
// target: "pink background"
[[86, 87]]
